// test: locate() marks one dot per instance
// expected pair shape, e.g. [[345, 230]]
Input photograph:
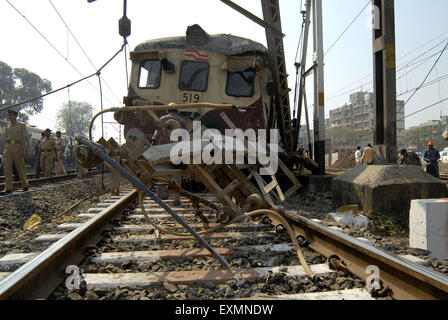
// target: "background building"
[[359, 114]]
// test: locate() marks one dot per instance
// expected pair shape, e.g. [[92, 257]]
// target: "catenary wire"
[[48, 41], [82, 49], [348, 27]]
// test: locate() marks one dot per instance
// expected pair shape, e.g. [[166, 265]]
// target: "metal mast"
[[319, 95]]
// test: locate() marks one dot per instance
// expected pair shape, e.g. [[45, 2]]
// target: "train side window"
[[241, 84], [150, 73], [194, 76]]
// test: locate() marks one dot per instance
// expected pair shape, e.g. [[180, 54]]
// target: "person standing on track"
[[432, 157], [60, 151], [358, 155], [47, 149], [367, 155], [37, 154], [15, 142]]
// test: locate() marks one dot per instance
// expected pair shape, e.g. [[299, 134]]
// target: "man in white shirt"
[[358, 156]]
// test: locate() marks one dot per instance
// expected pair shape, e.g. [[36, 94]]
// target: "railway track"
[[40, 181], [122, 257]]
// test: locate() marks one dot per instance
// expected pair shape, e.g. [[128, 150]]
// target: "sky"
[[348, 66]]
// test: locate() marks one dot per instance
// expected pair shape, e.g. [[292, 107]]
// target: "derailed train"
[[199, 68]]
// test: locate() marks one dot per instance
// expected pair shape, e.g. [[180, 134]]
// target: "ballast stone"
[[428, 226], [386, 189], [351, 220]]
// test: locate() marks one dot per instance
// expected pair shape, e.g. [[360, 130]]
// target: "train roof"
[[197, 38]]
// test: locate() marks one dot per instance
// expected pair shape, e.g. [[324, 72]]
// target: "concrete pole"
[[319, 95], [384, 66]]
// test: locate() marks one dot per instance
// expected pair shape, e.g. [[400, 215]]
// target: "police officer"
[[47, 149], [37, 156], [15, 142], [60, 151]]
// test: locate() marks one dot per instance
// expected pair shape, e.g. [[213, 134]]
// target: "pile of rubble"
[[346, 162], [443, 167]]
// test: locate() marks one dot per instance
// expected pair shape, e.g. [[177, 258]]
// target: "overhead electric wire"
[[348, 27], [426, 78], [45, 38], [82, 49], [432, 82], [403, 66], [423, 109], [67, 86]]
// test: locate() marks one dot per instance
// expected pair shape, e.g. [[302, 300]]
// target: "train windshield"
[[194, 76], [241, 84], [150, 71]]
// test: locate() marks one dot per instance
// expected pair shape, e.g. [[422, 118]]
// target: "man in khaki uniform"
[[60, 150], [47, 149], [15, 143]]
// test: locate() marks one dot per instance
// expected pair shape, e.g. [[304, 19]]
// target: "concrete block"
[[386, 189], [428, 226]]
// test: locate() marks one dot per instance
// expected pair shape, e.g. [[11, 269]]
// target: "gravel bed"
[[386, 235], [310, 205], [16, 210], [271, 284]]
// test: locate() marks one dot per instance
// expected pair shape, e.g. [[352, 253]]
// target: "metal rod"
[[310, 148], [98, 152], [253, 17], [303, 63]]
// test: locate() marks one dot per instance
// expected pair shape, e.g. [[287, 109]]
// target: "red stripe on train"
[[197, 52], [195, 58]]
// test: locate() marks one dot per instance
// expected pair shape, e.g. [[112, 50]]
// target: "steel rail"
[[38, 278], [32, 175], [407, 280], [49, 179]]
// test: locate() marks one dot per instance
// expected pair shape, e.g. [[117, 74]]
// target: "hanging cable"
[[102, 127], [126, 65], [64, 87], [82, 49], [51, 45], [423, 109], [348, 27], [426, 78]]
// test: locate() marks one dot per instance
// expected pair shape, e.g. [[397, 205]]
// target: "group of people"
[[431, 157], [365, 157], [47, 150]]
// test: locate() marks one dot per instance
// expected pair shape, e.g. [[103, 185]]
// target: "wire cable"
[[82, 49], [48, 41], [426, 78], [67, 86], [348, 27], [423, 109]]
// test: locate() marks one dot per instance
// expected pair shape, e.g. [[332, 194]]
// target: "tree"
[[418, 137], [74, 118], [17, 85]]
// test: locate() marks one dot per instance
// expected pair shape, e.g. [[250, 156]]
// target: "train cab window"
[[150, 72], [241, 84], [194, 76]]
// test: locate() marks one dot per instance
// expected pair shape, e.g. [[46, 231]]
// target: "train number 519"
[[191, 98]]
